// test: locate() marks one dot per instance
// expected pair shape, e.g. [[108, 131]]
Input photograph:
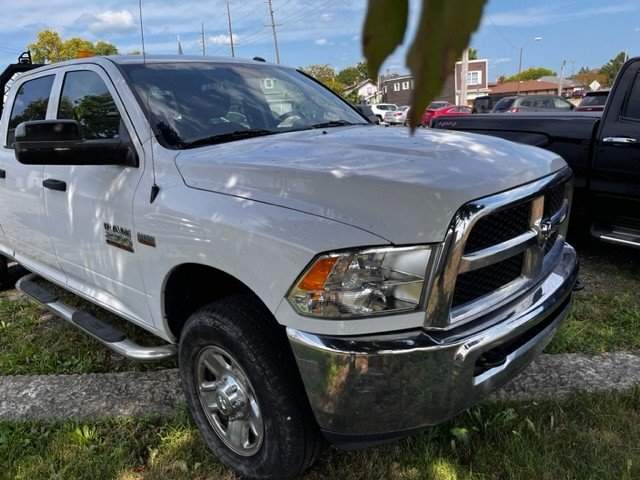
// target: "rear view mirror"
[[61, 142]]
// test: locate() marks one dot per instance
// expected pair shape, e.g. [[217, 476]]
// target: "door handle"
[[54, 184], [619, 140], [3, 174]]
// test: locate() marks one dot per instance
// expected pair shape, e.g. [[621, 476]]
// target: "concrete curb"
[[94, 396]]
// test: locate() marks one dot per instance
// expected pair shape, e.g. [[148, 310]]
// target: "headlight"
[[367, 282]]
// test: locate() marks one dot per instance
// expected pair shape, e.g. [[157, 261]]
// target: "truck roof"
[[139, 59]]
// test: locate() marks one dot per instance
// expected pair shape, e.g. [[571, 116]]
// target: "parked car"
[[483, 104], [379, 109], [397, 117], [593, 101], [438, 104], [578, 93], [368, 112], [430, 114], [532, 103]]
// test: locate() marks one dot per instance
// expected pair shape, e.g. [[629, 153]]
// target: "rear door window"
[[31, 103]]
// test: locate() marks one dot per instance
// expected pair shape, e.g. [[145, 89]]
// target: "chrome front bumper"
[[368, 389]]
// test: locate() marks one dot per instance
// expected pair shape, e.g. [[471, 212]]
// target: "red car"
[[593, 101], [431, 113]]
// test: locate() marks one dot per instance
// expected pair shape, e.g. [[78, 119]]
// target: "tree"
[[349, 76], [50, 48], [612, 67], [532, 73], [586, 77], [326, 75], [473, 54], [444, 30]]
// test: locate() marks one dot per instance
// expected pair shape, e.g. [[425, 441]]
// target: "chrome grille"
[[478, 283], [497, 248], [499, 227]]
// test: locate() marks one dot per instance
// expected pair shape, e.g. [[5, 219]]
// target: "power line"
[[501, 34]]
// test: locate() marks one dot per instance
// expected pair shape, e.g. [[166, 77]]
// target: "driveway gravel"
[[93, 396]]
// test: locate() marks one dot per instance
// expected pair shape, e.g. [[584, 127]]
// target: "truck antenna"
[[155, 189]]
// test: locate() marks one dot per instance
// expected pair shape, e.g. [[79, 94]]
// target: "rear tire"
[[244, 390]]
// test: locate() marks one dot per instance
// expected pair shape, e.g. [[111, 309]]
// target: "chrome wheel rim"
[[229, 401]]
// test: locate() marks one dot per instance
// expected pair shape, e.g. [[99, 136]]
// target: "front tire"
[[244, 391]]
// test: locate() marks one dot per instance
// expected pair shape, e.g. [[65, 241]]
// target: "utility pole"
[[273, 28], [564, 62], [233, 53], [537, 39], [202, 38], [462, 99]]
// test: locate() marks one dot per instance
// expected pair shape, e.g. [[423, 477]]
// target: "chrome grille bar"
[[532, 243]]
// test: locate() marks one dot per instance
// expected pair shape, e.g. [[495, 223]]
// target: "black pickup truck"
[[603, 149]]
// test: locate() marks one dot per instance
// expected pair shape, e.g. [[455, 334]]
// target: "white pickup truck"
[[318, 278]]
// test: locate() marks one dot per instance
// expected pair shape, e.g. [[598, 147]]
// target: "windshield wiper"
[[228, 137], [334, 123]]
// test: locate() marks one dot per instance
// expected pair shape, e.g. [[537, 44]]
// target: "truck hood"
[[404, 188]]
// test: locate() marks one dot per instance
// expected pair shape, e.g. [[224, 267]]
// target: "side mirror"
[[60, 142]]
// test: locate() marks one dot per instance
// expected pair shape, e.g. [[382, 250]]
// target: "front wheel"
[[244, 392]]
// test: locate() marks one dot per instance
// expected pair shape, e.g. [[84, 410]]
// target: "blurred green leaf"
[[384, 28], [444, 30], [443, 33]]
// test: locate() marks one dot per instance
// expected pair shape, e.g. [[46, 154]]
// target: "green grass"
[[35, 342], [606, 314], [587, 437]]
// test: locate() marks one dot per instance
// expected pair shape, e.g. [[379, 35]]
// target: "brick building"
[[398, 89]]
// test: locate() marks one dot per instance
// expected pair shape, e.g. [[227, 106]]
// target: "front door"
[[91, 220], [616, 176]]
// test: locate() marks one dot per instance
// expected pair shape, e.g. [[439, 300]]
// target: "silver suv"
[[532, 103]]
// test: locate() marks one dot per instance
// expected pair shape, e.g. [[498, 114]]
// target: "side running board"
[[617, 235], [101, 331]]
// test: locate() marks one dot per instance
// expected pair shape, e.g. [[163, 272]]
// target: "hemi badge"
[[148, 240]]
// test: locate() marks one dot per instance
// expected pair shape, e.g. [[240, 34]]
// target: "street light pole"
[[536, 39]]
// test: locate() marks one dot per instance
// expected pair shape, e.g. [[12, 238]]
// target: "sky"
[[584, 34]]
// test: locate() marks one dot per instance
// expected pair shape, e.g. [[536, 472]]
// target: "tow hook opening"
[[488, 360], [578, 286]]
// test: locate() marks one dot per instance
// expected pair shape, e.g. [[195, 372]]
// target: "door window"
[[85, 98], [632, 109], [30, 103]]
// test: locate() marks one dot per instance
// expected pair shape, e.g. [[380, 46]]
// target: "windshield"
[[504, 104], [594, 100], [192, 104]]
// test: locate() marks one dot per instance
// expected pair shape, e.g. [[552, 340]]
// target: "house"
[[477, 80], [527, 87], [367, 91], [398, 89]]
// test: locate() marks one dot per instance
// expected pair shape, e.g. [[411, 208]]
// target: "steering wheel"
[[290, 114]]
